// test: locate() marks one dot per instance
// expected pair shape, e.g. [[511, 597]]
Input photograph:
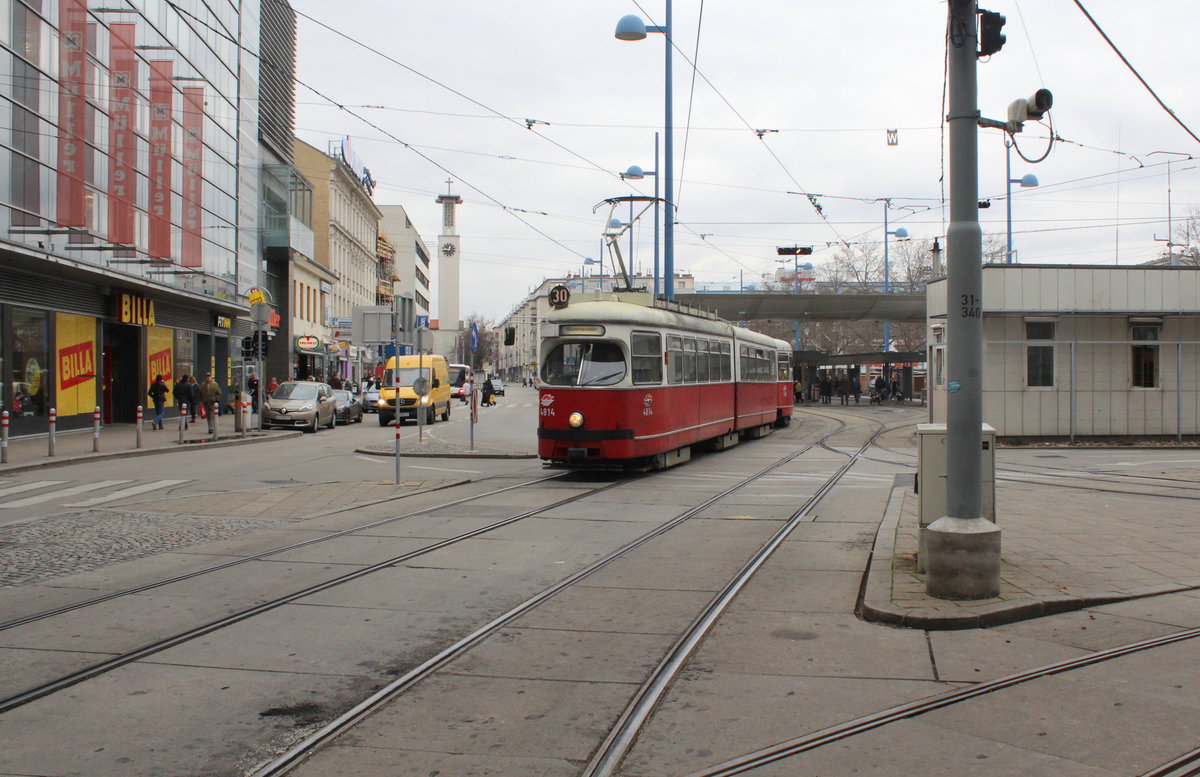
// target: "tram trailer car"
[[626, 385]]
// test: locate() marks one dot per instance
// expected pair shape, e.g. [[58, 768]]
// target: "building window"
[[1145, 357], [1039, 359]]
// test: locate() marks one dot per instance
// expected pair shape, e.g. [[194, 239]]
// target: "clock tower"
[[448, 267]]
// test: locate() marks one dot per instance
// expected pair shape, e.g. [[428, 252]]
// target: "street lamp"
[[635, 173], [632, 27], [901, 233], [582, 282], [795, 252], [1026, 181]]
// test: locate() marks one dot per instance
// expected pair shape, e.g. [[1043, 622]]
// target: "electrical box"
[[931, 473]]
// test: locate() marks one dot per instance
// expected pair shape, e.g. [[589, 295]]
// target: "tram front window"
[[584, 364]]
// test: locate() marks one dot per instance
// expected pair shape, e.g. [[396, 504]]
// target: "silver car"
[[300, 405]]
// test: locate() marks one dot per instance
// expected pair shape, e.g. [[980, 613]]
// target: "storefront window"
[[30, 374]]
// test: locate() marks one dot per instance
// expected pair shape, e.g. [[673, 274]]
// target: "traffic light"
[[794, 250], [260, 341], [247, 347], [991, 39]]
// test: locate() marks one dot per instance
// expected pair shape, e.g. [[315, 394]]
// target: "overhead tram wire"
[[696, 71], [1133, 70]]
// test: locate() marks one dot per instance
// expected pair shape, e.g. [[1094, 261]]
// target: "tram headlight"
[[575, 419]]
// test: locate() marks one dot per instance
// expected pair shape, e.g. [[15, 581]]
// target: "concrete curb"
[[59, 461], [446, 454]]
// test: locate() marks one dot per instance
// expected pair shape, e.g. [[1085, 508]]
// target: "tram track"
[[864, 724], [624, 732], [95, 670]]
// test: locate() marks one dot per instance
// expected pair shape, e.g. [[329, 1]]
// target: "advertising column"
[[160, 357], [75, 358]]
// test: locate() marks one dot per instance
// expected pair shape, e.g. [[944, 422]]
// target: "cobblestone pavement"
[[81, 541]]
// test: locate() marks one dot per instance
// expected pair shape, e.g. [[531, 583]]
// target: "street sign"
[[371, 325], [420, 386], [422, 322], [474, 337], [260, 312], [559, 296], [256, 296]]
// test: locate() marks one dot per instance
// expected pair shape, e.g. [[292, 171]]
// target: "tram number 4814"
[[546, 411], [970, 306]]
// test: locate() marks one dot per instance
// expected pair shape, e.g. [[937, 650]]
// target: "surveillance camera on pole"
[[1031, 109]]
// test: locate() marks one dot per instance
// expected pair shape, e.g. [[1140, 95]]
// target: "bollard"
[[53, 425], [4, 437], [139, 426], [398, 422], [96, 430], [183, 415], [245, 411], [215, 418]]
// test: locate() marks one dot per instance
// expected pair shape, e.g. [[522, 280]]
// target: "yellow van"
[[397, 399]]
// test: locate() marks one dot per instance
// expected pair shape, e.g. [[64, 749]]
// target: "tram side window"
[[785, 372], [714, 360], [646, 353], [726, 362], [702, 372], [675, 358], [689, 360]]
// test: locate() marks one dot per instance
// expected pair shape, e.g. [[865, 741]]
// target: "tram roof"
[[812, 307], [634, 314]]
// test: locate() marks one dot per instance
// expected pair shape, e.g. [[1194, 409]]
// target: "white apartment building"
[[413, 270]]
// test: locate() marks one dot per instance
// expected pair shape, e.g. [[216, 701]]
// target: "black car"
[[349, 409]]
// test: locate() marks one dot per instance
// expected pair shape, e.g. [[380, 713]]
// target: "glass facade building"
[[128, 198]]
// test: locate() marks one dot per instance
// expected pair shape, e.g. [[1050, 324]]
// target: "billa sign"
[[308, 343], [132, 309]]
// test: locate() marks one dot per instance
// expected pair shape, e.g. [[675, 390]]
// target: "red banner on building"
[[162, 91], [190, 254], [122, 151], [72, 112]]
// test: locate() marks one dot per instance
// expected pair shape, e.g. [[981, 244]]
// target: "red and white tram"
[[626, 384]]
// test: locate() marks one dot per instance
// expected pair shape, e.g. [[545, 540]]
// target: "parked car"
[[349, 409], [498, 386], [296, 404], [369, 399]]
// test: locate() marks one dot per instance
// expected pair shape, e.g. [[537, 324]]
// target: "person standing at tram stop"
[[856, 388], [210, 395], [158, 395]]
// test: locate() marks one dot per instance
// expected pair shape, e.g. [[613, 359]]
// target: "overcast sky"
[[830, 77]]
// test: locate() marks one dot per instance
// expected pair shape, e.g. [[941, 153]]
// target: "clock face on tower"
[[449, 249]]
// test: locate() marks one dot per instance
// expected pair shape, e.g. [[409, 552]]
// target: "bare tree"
[[488, 351]]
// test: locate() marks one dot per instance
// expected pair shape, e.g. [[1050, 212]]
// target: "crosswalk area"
[[19, 495]]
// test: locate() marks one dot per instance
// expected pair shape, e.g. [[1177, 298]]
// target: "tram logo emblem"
[[648, 404], [547, 400]]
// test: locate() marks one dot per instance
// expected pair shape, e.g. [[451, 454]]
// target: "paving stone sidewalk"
[[1060, 551]]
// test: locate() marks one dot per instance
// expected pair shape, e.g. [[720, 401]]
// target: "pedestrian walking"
[[158, 395], [843, 390], [274, 384], [210, 396], [193, 398], [798, 392], [489, 393], [856, 388], [825, 388], [252, 387], [182, 392]]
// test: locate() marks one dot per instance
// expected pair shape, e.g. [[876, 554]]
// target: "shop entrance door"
[[121, 360]]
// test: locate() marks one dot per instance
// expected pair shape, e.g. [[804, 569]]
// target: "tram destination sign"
[[559, 297]]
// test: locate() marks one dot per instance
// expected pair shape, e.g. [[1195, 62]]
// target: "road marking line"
[[29, 486], [80, 489], [124, 492]]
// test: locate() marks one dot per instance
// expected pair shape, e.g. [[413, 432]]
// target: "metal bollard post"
[[215, 417], [53, 425], [398, 422], [244, 408], [96, 430], [183, 416], [4, 437], [139, 426]]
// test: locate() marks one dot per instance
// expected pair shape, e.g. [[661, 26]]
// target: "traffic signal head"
[[991, 39], [247, 347], [794, 250]]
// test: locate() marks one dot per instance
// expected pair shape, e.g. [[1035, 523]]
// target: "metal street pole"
[[963, 547], [669, 171], [657, 216]]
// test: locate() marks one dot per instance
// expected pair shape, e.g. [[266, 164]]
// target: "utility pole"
[[963, 547]]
